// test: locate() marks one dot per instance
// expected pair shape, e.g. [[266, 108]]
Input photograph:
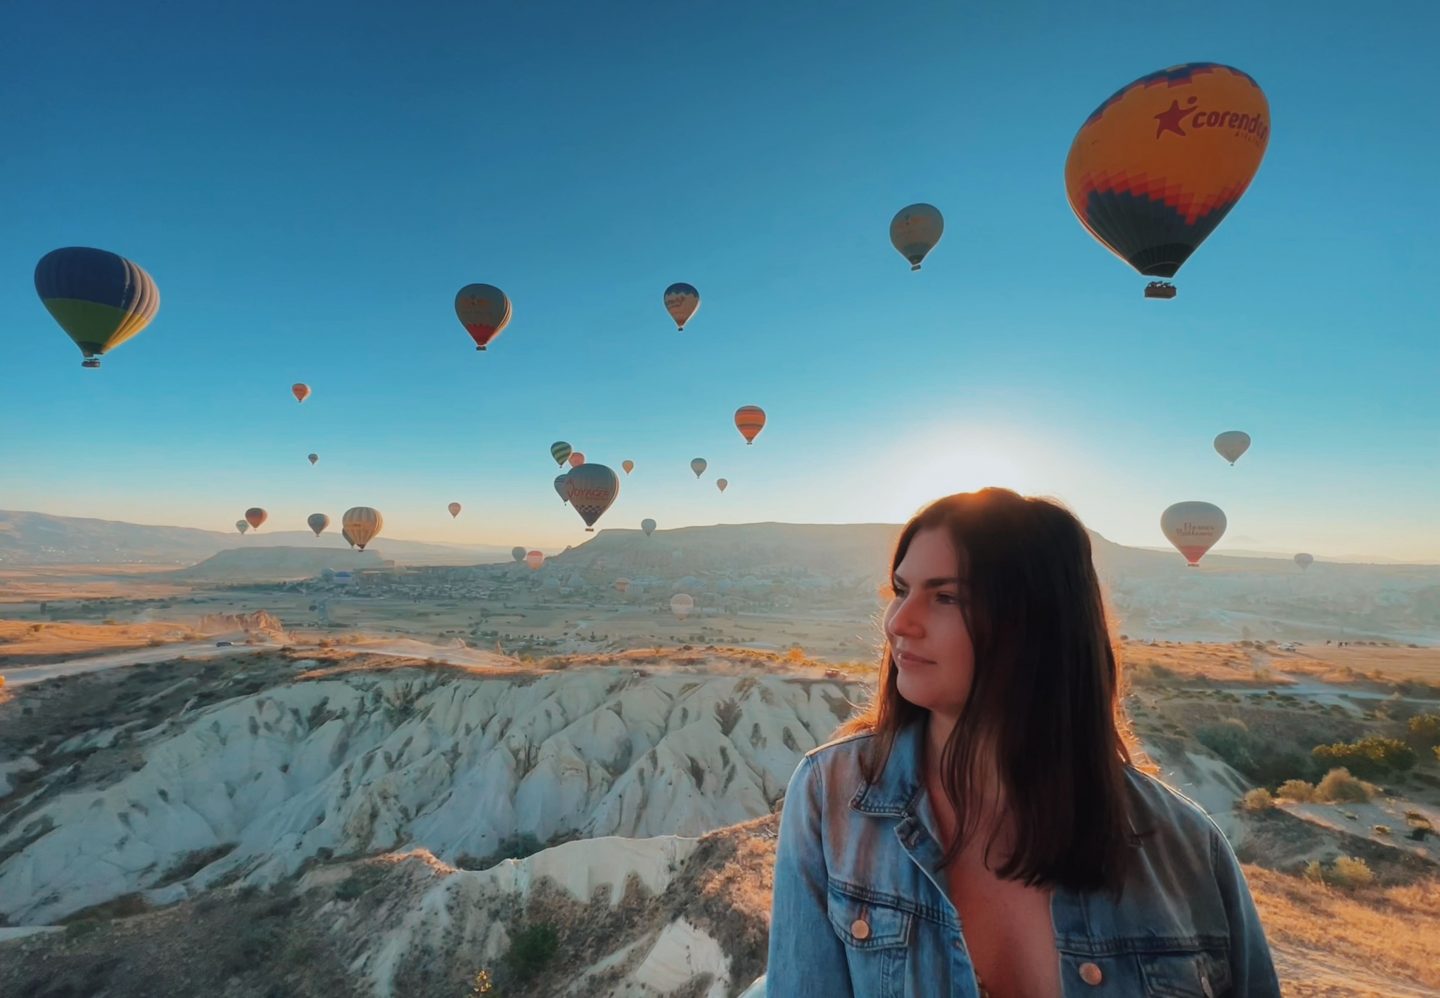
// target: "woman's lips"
[[910, 658]]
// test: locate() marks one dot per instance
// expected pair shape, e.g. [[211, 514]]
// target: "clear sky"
[[310, 183]]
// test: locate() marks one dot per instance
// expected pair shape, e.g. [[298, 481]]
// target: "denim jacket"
[[860, 906]]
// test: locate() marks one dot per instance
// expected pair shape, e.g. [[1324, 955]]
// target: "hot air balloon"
[[363, 524], [622, 585], [681, 604], [318, 522], [562, 486], [313, 458], [593, 488], [484, 311], [345, 533], [915, 230], [256, 516], [1156, 167], [750, 420], [647, 525], [300, 391], [698, 466], [629, 466], [560, 451], [576, 459], [517, 553], [454, 509], [1231, 444], [722, 484], [1304, 560], [535, 559], [100, 299], [241, 526], [682, 301], [1193, 527]]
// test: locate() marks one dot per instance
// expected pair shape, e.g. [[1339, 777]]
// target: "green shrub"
[[1424, 730], [531, 950], [1252, 755], [1347, 872], [1369, 757]]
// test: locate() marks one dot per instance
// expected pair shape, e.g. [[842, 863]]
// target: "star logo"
[[1169, 121]]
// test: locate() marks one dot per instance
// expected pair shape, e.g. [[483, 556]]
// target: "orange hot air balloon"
[[749, 420], [454, 508], [484, 310], [361, 524], [622, 585], [535, 559], [629, 466], [1156, 167], [577, 459], [300, 390], [256, 516]]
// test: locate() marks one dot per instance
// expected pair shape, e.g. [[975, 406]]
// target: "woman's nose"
[[905, 621]]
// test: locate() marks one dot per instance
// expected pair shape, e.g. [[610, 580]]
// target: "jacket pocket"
[[1201, 974], [876, 937]]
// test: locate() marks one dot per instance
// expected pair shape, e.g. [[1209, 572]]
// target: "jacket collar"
[[897, 788]]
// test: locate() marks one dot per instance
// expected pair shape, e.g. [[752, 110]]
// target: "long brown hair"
[[1044, 698]]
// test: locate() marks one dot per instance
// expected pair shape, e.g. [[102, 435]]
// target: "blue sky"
[[309, 184]]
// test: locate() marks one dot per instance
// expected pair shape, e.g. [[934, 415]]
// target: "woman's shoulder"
[[1158, 807], [837, 760]]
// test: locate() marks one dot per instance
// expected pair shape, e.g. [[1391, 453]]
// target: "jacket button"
[[860, 929], [1090, 974]]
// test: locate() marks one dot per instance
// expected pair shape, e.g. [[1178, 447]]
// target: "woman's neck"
[[984, 793]]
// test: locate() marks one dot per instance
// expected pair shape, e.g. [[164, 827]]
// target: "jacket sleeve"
[[1251, 967], [806, 956]]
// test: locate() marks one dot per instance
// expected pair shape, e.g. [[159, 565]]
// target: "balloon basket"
[[914, 266], [90, 362], [1159, 289]]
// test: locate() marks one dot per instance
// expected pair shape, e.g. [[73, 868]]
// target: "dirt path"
[[20, 676]]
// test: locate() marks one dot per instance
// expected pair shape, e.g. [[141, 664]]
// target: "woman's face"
[[925, 625]]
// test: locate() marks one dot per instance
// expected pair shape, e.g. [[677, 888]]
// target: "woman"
[[979, 830]]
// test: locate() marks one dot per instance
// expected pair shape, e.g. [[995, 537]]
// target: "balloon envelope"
[[1304, 560], [1231, 444], [647, 525], [722, 484], [593, 488], [300, 390], [256, 516], [681, 604], [681, 301], [535, 559], [241, 526], [750, 420], [517, 553], [562, 486], [560, 451], [99, 298], [345, 533], [629, 466], [1193, 527], [484, 311], [576, 459], [915, 230], [318, 522], [362, 524], [313, 458], [698, 466], [454, 508], [1161, 162]]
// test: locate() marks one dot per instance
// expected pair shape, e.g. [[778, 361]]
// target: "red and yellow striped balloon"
[[1157, 166]]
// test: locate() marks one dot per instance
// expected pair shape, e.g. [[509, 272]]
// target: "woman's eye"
[[948, 598]]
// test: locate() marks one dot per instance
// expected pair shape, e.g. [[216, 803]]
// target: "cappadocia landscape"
[[476, 488]]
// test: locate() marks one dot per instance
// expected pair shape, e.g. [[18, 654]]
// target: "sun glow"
[[965, 459]]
